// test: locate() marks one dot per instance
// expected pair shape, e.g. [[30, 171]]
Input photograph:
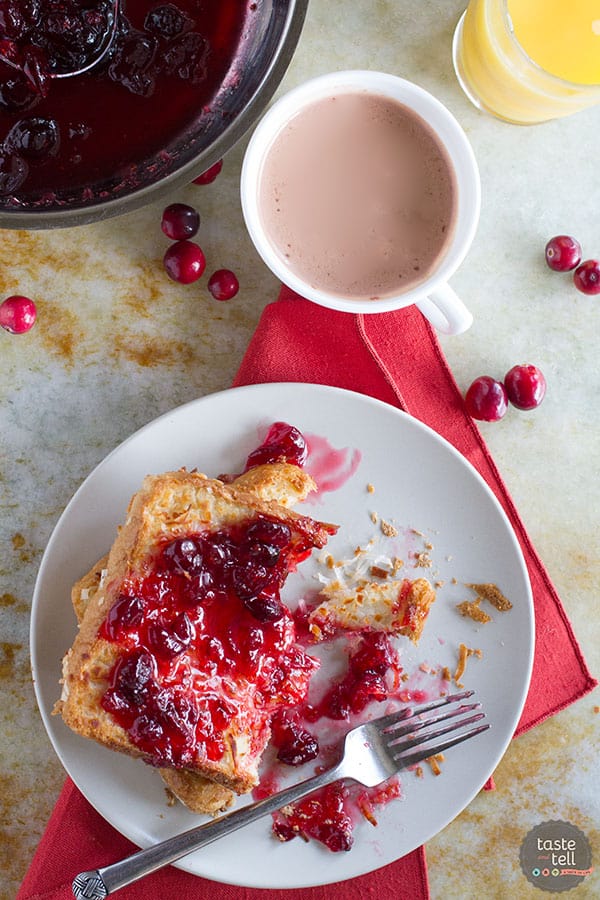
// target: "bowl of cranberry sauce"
[[180, 83]]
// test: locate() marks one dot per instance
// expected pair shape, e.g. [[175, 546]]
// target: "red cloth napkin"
[[394, 357]]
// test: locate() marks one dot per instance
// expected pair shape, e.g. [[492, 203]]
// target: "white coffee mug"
[[434, 297]]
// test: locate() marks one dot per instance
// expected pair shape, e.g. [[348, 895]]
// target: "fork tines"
[[410, 728]]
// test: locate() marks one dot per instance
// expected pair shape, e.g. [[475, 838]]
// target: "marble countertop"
[[117, 343]]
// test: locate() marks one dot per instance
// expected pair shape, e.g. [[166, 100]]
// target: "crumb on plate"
[[493, 594], [464, 653], [434, 762], [472, 610], [388, 529]]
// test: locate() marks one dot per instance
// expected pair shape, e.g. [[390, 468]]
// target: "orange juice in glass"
[[528, 61]]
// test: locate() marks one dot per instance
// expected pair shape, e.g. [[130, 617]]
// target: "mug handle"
[[446, 311]]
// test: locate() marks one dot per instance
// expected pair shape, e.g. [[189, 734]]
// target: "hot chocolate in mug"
[[361, 192]]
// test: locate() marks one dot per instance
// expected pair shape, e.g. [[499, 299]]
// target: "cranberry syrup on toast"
[[186, 648]]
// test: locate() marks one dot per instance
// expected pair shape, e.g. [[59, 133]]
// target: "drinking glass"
[[498, 75]]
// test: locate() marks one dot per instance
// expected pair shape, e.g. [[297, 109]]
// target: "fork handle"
[[100, 883]]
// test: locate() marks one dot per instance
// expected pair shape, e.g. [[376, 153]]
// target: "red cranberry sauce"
[[323, 816], [295, 744], [60, 137], [207, 643], [372, 675], [329, 814], [283, 443], [370, 799]]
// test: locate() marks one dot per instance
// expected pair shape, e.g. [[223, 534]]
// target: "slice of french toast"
[[185, 648], [286, 484]]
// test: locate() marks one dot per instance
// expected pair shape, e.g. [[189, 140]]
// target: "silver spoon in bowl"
[[112, 21]]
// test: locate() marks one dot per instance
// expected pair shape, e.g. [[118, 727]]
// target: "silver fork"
[[371, 753]]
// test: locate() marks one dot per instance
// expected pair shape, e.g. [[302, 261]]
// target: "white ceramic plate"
[[428, 491]]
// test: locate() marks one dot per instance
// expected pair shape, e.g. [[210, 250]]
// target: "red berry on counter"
[[587, 277], [180, 221], [223, 284], [563, 253], [184, 262], [525, 386], [486, 399], [17, 314], [209, 176]]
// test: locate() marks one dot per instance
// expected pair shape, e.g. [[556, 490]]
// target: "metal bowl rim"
[[97, 212]]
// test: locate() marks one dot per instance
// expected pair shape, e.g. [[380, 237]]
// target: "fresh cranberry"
[[486, 399], [17, 314], [180, 221], [563, 253], [525, 386], [184, 262], [283, 442], [223, 284], [209, 176], [587, 277]]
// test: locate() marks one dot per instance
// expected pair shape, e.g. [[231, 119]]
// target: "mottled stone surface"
[[117, 344]]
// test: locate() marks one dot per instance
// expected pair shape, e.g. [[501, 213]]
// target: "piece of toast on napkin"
[[155, 707]]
